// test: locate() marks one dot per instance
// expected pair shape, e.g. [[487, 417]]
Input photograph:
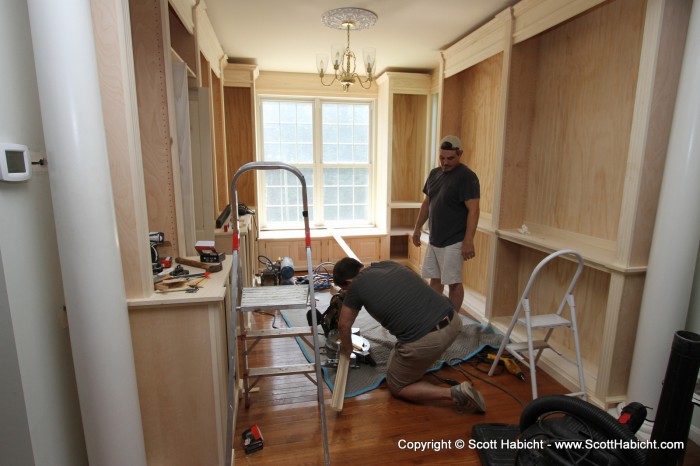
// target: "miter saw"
[[329, 323]]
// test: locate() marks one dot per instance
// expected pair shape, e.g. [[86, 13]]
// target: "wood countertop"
[[212, 289]]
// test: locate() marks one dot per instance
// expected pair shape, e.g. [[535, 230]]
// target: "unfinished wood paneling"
[[121, 131], [588, 101], [223, 178], [475, 271], [584, 87], [367, 249], [591, 296], [403, 218], [660, 63], [408, 147], [148, 32], [181, 404], [294, 248], [240, 139], [403, 141], [182, 42], [471, 111]]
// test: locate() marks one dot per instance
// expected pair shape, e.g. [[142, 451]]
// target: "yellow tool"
[[511, 365]]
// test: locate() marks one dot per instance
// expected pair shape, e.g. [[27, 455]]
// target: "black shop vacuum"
[[565, 431]]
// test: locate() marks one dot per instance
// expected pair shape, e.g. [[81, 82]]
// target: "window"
[[330, 143]]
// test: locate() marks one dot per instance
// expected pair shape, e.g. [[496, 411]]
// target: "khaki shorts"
[[444, 263], [408, 362]]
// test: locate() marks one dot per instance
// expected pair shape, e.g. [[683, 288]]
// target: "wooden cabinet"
[[403, 141], [324, 248], [554, 102], [181, 358], [275, 249]]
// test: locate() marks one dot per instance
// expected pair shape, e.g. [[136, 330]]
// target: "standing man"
[[423, 322], [452, 205]]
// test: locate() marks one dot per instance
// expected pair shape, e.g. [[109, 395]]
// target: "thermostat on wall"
[[15, 164]]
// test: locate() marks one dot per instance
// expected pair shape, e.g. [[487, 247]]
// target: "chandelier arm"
[[335, 78], [367, 81]]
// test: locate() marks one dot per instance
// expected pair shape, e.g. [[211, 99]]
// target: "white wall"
[[39, 408]]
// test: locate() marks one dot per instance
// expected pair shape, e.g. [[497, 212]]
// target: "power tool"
[[510, 364]]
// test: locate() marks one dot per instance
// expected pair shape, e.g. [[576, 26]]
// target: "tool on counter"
[[208, 253], [180, 283], [155, 238], [510, 364], [160, 278], [221, 219], [208, 267], [188, 289], [179, 271]]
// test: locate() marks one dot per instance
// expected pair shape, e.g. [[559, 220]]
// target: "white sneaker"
[[466, 395]]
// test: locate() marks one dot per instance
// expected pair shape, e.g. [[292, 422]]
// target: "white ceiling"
[[286, 35]]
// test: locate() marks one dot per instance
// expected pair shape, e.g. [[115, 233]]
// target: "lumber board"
[[341, 377]]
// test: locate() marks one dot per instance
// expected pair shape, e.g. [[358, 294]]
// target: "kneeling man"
[[423, 321]]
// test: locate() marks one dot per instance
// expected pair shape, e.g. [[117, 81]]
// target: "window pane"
[[283, 196], [330, 195], [345, 114], [344, 153], [346, 195], [289, 134], [345, 126], [330, 153], [330, 212], [330, 114], [271, 112], [361, 153], [361, 114], [330, 134]]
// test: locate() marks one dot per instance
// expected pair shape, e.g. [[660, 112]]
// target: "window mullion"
[[318, 163]]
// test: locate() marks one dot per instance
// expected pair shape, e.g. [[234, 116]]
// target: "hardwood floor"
[[373, 428]]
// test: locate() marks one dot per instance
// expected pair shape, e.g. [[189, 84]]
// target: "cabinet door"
[[294, 248], [415, 256], [367, 249]]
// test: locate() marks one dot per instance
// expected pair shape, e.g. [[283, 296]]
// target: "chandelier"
[[344, 59]]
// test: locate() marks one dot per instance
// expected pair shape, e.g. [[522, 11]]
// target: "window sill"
[[320, 233]]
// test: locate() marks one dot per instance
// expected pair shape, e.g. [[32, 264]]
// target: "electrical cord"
[[447, 381], [455, 364], [322, 281], [264, 260], [270, 314]]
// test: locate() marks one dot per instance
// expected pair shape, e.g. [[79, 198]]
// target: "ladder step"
[[274, 297], [278, 332], [281, 370], [546, 321], [520, 347]]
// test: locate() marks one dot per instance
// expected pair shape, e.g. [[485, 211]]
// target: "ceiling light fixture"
[[344, 60]]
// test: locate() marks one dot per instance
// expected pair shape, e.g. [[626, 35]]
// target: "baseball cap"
[[450, 143]]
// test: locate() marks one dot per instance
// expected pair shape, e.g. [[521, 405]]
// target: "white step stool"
[[525, 351]]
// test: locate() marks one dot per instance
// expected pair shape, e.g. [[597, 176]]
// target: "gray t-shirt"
[[398, 299], [447, 192]]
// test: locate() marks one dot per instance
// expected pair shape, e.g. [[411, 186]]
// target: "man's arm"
[[345, 320], [468, 251], [422, 217]]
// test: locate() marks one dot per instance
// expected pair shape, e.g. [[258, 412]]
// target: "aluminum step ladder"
[[270, 298], [525, 351]]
